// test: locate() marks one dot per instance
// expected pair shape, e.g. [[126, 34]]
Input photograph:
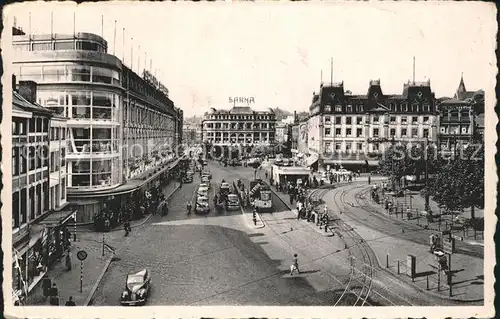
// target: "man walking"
[[295, 265]]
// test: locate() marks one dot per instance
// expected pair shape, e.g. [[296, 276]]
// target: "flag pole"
[[132, 54], [139, 60], [52, 25], [102, 25], [114, 39], [123, 46], [29, 28]]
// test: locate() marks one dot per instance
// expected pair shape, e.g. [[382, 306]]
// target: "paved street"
[[213, 260]]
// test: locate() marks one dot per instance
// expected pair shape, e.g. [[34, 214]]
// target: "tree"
[[409, 159], [460, 183]]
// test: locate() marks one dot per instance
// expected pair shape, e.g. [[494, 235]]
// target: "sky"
[[205, 53]]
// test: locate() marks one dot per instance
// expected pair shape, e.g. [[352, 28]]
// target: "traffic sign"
[[81, 255], [449, 246]]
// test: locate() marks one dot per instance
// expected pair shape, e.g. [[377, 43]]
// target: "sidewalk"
[[248, 217], [417, 205], [68, 282], [467, 278], [467, 271]]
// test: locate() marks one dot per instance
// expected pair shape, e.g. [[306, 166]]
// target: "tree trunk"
[[473, 212]]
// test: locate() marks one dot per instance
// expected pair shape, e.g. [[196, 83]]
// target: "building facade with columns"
[[121, 125], [239, 126], [355, 130]]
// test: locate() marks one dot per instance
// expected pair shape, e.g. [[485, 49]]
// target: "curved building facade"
[[79, 80]]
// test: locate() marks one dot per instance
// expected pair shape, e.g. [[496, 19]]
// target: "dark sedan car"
[[137, 288]]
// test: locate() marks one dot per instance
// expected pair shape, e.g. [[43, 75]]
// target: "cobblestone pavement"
[[219, 259]]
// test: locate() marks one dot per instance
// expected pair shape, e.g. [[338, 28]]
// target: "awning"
[[58, 218], [311, 160]]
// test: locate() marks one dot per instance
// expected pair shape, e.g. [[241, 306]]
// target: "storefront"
[[293, 174]]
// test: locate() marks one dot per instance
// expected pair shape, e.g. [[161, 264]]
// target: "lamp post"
[[427, 209]]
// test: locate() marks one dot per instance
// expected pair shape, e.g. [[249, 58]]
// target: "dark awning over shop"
[[58, 218]]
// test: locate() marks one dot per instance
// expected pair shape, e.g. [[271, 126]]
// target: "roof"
[[22, 104], [453, 101], [241, 110]]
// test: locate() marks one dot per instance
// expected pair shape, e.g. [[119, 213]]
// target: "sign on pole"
[[449, 246], [81, 255]]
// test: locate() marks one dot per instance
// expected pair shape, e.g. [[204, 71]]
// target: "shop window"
[[80, 180]]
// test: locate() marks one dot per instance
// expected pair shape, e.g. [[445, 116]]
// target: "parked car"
[[203, 191], [225, 188], [233, 202], [202, 207], [137, 288], [188, 179], [205, 179], [205, 185]]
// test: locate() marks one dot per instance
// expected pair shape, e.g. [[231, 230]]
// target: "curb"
[[248, 224], [431, 293], [90, 297]]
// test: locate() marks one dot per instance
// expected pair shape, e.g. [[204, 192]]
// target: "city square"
[[369, 192]]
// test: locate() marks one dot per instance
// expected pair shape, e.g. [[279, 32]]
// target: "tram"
[[261, 196]]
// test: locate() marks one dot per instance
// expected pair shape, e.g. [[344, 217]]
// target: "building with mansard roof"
[[354, 130]]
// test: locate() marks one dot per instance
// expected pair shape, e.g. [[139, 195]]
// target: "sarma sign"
[[242, 99]]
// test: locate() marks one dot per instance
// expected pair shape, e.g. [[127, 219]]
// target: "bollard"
[[427, 277], [386, 261], [345, 246], [399, 272]]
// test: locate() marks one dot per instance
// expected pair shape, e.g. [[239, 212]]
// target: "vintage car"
[[233, 202], [205, 185], [203, 191], [206, 173], [188, 179], [202, 207], [225, 188], [137, 288], [205, 179]]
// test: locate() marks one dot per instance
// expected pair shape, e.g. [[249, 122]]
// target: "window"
[[426, 133], [328, 119], [338, 120], [327, 131], [414, 119], [393, 119], [375, 119], [359, 146], [15, 210], [328, 147], [359, 132], [338, 146], [393, 132], [32, 157], [375, 147], [359, 120], [404, 132], [426, 119], [348, 146], [338, 108], [414, 132], [349, 109], [375, 132], [328, 108], [348, 132], [403, 120], [15, 161], [64, 46], [348, 120], [338, 131]]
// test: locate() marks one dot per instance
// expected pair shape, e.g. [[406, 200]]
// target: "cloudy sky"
[[206, 52]]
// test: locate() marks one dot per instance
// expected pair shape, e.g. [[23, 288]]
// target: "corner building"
[[355, 130], [109, 108]]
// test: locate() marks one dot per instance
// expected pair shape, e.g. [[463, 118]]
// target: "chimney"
[[27, 89], [14, 83], [295, 117]]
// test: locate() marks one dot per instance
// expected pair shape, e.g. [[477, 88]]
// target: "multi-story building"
[[121, 126], [281, 132], [189, 134], [240, 126], [354, 130], [461, 117], [39, 217]]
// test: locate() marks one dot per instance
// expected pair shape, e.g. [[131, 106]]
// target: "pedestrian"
[[68, 260], [70, 302], [54, 295], [295, 265]]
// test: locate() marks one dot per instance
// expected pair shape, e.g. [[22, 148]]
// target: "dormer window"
[[338, 108], [328, 108], [349, 109]]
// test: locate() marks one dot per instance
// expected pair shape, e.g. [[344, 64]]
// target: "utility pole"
[[427, 208]]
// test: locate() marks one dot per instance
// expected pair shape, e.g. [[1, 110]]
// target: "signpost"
[[81, 255], [449, 248]]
